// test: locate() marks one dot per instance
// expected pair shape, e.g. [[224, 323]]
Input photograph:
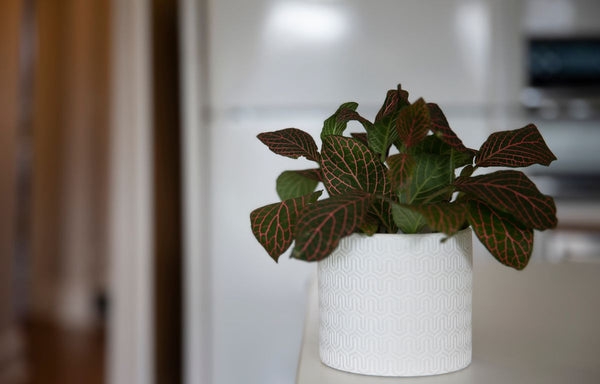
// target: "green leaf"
[[336, 124], [407, 220], [518, 148], [434, 145], [273, 225], [513, 193], [292, 184], [291, 142], [400, 169], [441, 128], [332, 126], [382, 209], [413, 123], [347, 164], [509, 241], [324, 223], [443, 216], [395, 100], [430, 176], [384, 132], [382, 135]]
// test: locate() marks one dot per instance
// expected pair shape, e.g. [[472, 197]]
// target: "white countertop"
[[540, 325]]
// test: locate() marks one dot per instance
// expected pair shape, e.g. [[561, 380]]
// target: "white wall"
[[130, 350], [273, 53]]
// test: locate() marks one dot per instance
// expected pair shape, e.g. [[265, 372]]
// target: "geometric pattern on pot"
[[397, 305]]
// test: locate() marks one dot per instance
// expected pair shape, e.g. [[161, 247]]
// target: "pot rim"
[[431, 234]]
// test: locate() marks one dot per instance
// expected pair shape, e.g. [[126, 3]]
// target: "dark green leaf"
[[324, 223], [460, 159], [430, 176], [400, 169], [514, 193], [443, 216], [441, 128], [292, 184], [518, 148], [434, 145], [467, 171], [394, 101], [509, 241], [273, 225], [413, 123], [291, 142], [382, 135], [370, 225], [362, 137], [313, 173], [382, 209], [407, 219], [347, 164]]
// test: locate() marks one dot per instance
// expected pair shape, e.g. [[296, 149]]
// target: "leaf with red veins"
[[324, 223], [273, 225], [346, 115], [514, 193], [509, 241], [441, 128], [517, 148], [336, 124], [382, 209], [389, 105], [413, 123], [314, 173], [362, 137], [434, 145], [443, 216], [394, 100], [347, 164], [370, 225], [400, 169], [291, 142]]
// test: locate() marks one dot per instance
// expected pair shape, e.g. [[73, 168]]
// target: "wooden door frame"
[[11, 13]]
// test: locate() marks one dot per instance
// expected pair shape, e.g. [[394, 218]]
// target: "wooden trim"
[[11, 348], [167, 189], [10, 17]]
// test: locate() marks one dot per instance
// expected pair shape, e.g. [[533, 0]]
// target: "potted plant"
[[393, 238]]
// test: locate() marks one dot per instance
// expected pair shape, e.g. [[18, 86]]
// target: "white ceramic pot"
[[397, 305]]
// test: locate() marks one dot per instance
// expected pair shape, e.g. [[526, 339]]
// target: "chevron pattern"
[[397, 305]]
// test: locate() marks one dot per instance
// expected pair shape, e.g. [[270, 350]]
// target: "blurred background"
[[130, 162]]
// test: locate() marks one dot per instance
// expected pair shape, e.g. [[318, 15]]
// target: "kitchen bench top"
[[540, 325]]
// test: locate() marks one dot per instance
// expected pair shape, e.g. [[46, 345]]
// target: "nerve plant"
[[400, 176]]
